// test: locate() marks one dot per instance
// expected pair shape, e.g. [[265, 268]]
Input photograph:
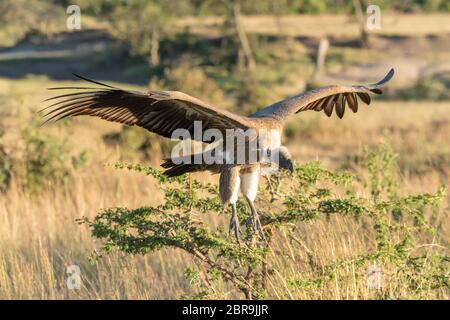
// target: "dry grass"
[[40, 237]]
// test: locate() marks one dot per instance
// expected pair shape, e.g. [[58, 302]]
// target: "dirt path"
[[90, 52]]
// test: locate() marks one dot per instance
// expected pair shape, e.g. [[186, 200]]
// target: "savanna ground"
[[51, 176]]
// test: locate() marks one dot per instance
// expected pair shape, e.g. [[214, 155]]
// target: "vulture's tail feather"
[[174, 170]]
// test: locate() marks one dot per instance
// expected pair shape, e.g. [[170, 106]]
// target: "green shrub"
[[199, 84], [41, 160], [398, 224], [137, 143], [5, 167], [45, 160], [428, 88], [251, 95]]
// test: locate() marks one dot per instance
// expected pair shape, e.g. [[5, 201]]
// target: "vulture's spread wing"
[[324, 99], [161, 112]]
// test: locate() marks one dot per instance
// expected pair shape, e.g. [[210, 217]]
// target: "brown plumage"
[[324, 99], [163, 112], [160, 112]]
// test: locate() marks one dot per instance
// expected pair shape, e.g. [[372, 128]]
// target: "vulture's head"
[[285, 160]]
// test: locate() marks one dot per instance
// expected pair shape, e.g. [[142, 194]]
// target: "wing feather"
[[352, 102], [326, 99], [364, 97], [340, 105], [160, 112]]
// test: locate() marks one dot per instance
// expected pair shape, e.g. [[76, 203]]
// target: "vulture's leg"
[[234, 222], [228, 188], [255, 219], [249, 188]]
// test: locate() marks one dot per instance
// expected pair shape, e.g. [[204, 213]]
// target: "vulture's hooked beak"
[[288, 166], [291, 166]]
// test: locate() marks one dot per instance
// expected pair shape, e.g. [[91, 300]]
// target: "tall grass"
[[40, 238]]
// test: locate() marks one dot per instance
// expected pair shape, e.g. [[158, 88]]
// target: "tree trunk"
[[154, 50], [322, 50], [278, 7], [243, 40], [362, 23]]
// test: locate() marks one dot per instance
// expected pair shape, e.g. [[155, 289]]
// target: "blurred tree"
[[324, 45], [233, 28], [309, 6], [246, 49], [18, 18], [140, 23], [361, 19]]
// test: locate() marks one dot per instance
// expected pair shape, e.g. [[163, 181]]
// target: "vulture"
[[167, 113]]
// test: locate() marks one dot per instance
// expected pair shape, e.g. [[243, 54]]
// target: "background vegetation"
[[377, 198]]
